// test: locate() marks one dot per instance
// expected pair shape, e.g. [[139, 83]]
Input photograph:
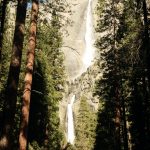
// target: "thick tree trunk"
[[138, 124], [3, 5], [28, 77], [13, 76], [146, 45]]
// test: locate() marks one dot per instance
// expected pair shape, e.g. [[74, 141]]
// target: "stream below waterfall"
[[87, 59]]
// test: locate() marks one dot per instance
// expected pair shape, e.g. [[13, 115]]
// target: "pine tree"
[[47, 88], [85, 124], [129, 79], [13, 77], [28, 76]]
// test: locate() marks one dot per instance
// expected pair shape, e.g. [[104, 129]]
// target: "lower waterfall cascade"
[[71, 135]]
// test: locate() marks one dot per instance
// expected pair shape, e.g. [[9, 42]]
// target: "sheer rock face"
[[78, 83], [74, 42]]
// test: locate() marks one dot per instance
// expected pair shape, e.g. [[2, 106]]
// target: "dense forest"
[[30, 57], [124, 90], [33, 78]]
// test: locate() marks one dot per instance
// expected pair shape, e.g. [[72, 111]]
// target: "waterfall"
[[89, 38], [87, 58], [71, 135]]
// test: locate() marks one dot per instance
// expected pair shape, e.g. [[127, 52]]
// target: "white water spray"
[[89, 38], [71, 135]]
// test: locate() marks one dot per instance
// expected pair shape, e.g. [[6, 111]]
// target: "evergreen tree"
[[48, 79], [44, 132], [28, 76], [125, 72], [85, 125], [13, 77], [7, 45]]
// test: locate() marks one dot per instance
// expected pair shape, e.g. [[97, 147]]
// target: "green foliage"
[[85, 124], [70, 147], [34, 145], [6, 54], [123, 49], [47, 88], [48, 80]]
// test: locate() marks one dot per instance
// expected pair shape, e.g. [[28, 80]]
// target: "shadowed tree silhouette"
[[38, 108], [13, 77]]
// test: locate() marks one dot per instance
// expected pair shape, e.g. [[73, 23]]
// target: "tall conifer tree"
[[13, 76], [28, 76]]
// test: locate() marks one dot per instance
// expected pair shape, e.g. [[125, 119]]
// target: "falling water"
[[71, 135], [89, 38], [87, 61]]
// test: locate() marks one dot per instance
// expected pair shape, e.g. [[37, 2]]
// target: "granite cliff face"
[[74, 43], [81, 68]]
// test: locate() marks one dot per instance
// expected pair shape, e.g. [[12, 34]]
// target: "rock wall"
[[73, 48], [74, 41]]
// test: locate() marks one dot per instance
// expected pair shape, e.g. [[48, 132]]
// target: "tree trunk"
[[117, 120], [138, 122], [28, 77], [125, 132], [146, 45], [13, 76], [3, 5], [116, 83]]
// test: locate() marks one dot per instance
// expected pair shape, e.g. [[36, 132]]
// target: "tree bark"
[[13, 76], [117, 119], [28, 77], [125, 131], [3, 5], [146, 45], [138, 124]]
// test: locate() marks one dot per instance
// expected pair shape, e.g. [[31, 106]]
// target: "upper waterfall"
[[89, 39], [78, 46]]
